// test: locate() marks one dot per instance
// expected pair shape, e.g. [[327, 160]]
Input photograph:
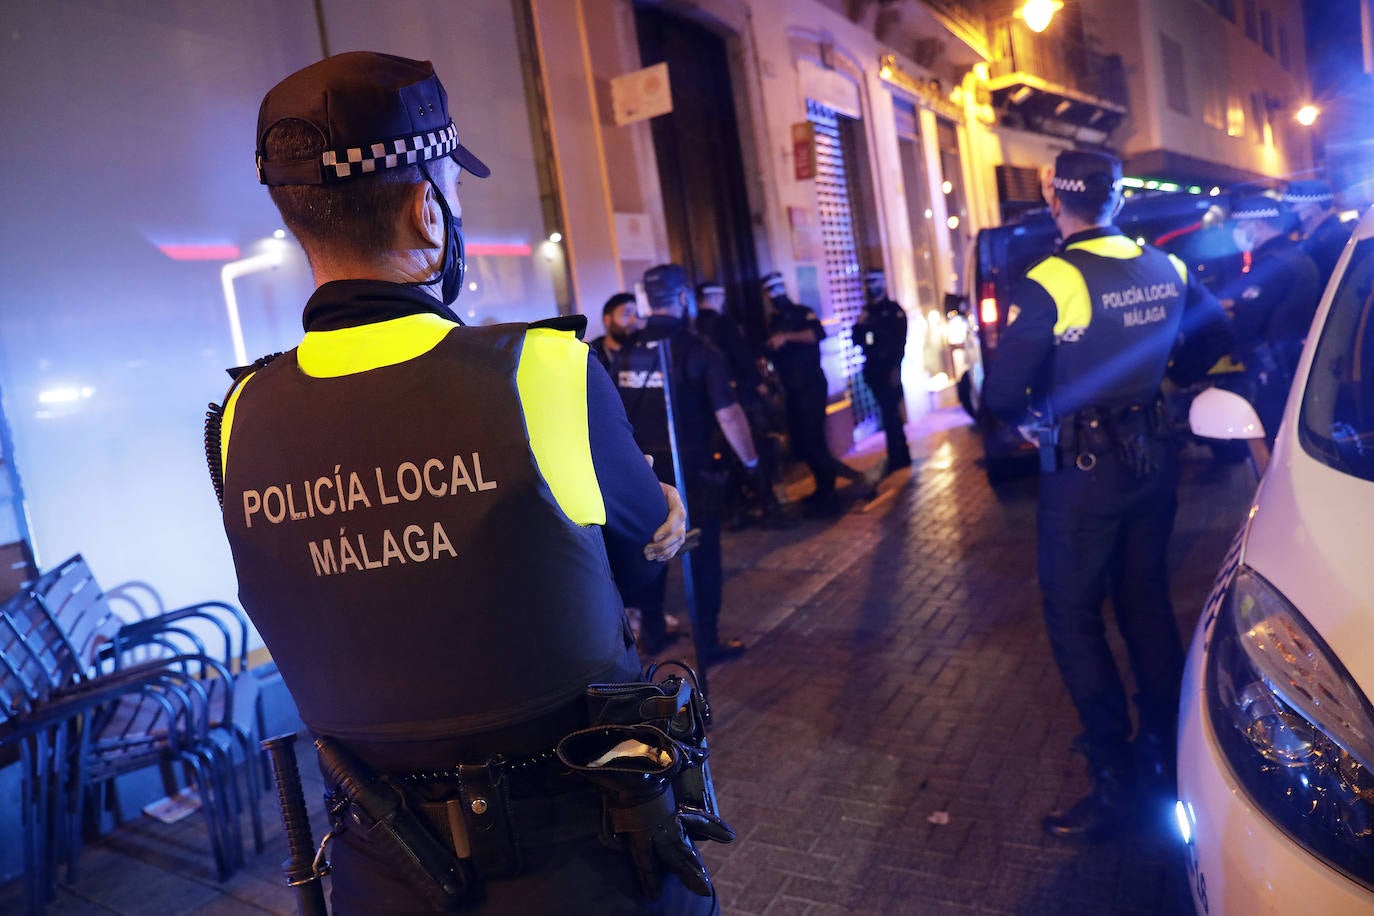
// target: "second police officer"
[[1323, 234], [881, 333], [1092, 331], [703, 398], [1272, 304]]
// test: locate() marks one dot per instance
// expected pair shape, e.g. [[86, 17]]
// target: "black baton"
[[689, 580], [299, 867]]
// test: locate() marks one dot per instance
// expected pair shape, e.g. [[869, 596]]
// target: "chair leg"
[[33, 790], [249, 748], [223, 759], [197, 767], [75, 790]]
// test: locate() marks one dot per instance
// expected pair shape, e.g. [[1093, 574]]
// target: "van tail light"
[[987, 305]]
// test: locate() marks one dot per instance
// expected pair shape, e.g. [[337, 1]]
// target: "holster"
[[380, 809], [678, 709], [484, 804]]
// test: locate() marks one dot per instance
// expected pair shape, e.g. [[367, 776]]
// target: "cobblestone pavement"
[[889, 742]]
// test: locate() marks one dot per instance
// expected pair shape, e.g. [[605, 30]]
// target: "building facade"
[[820, 138]]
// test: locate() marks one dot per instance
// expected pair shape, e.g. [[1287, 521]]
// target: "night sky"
[[1334, 54]]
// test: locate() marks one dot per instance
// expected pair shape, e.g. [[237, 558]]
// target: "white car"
[[1276, 730]]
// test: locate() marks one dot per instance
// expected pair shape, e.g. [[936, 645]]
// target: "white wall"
[[1218, 54]]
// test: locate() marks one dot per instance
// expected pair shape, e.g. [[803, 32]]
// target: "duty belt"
[[1136, 433]]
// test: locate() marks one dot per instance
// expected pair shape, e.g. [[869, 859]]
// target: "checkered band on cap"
[[1076, 185], [1309, 198], [1308, 192], [388, 154], [712, 289], [1256, 211]]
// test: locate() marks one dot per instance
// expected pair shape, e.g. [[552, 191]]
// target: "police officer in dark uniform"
[[881, 333], [794, 343], [1272, 304], [714, 324], [620, 319], [1323, 234], [703, 398], [423, 518], [1094, 328]]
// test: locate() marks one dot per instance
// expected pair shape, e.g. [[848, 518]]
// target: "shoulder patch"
[[575, 323]]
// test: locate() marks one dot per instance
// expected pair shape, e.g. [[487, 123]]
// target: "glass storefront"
[[132, 189]]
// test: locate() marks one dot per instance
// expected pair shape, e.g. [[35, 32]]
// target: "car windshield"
[[1336, 425]]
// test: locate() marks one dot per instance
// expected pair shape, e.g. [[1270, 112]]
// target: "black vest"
[[402, 557], [1116, 351]]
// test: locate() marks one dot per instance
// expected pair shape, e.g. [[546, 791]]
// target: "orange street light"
[[1038, 13]]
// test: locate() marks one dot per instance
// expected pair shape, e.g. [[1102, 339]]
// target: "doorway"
[[700, 163]]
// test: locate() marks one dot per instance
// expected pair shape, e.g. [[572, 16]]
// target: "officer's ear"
[[424, 214], [1116, 208]]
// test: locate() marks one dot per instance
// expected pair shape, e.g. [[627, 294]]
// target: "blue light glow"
[[1185, 829]]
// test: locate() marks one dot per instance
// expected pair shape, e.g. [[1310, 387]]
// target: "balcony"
[[929, 31], [1055, 86]]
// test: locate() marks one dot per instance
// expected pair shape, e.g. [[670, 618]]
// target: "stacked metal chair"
[[89, 697]]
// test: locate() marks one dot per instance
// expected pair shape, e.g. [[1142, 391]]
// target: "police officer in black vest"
[[1323, 234], [703, 397], [794, 345], [619, 319], [1093, 330], [1272, 304], [423, 517], [881, 333]]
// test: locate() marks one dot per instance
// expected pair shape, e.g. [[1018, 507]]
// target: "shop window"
[[1175, 79]]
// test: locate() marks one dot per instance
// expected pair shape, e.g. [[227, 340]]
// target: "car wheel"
[[964, 387]]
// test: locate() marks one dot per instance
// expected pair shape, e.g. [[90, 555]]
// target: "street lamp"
[[1307, 115], [1038, 13]]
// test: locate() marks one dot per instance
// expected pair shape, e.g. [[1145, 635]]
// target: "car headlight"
[[1296, 730]]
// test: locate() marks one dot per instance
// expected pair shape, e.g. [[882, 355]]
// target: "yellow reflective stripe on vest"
[[226, 423], [330, 354], [1109, 246], [1069, 291], [552, 379], [1180, 267]]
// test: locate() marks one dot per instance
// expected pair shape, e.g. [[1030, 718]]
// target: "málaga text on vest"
[[351, 491], [1133, 296]]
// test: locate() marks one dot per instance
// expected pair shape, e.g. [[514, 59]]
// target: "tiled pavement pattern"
[[898, 674]]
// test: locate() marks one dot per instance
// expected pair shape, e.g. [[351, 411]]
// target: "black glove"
[[633, 766]]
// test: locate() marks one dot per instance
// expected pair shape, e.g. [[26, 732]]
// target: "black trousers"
[[1101, 533], [575, 876], [887, 391], [806, 431]]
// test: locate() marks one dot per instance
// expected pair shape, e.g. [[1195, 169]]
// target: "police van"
[[1276, 734], [1189, 225]]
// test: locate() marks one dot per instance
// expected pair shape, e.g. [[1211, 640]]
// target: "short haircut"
[[1090, 208], [616, 302], [355, 217]]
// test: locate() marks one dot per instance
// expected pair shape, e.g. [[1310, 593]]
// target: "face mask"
[[1242, 239], [451, 275]]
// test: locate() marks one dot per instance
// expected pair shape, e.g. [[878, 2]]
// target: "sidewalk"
[[897, 729]]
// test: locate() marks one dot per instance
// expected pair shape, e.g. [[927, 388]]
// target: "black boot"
[[1099, 814]]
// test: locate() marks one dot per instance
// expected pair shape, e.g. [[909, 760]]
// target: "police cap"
[[1086, 176], [773, 285], [1309, 192], [663, 285], [1261, 207], [373, 112]]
